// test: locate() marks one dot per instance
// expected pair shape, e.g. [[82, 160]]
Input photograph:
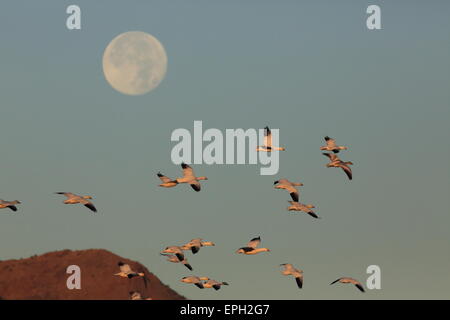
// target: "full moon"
[[134, 63]]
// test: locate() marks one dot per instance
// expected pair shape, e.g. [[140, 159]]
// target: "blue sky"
[[309, 68]]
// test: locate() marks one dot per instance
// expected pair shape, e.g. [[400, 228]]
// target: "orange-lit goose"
[[9, 204], [331, 145], [190, 178], [290, 270], [197, 281], [173, 258], [195, 244], [251, 247], [74, 199], [307, 208], [335, 162], [289, 186], [267, 146], [351, 281]]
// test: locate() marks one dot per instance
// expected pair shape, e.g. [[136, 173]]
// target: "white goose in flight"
[[134, 295], [331, 145], [173, 258], [195, 244], [335, 162], [74, 198], [189, 177], [126, 272], [290, 270], [307, 208], [195, 280], [166, 181], [351, 281], [214, 284], [251, 247], [267, 146], [9, 204], [289, 186], [176, 250]]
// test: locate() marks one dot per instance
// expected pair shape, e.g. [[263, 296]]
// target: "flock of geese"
[[175, 254]]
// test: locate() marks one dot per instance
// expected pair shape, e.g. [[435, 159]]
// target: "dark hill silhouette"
[[44, 277]]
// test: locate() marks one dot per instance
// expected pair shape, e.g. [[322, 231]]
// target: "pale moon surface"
[[134, 63]]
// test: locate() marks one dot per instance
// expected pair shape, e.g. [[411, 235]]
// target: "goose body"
[[214, 284], [126, 272], [173, 258], [307, 208], [289, 186], [197, 281], [331, 145], [267, 146], [289, 270], [195, 244], [176, 250], [9, 204], [189, 178], [74, 199], [335, 162], [251, 247], [356, 283]]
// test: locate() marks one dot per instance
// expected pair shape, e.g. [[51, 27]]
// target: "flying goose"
[[195, 280], [73, 199], [189, 177], [176, 250], [331, 145], [174, 259], [134, 295], [166, 181], [335, 162], [290, 270], [214, 284], [267, 147], [195, 244], [251, 249], [9, 204], [126, 272], [350, 280], [289, 186], [297, 206]]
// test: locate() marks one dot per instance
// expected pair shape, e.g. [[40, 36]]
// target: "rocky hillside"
[[45, 277]]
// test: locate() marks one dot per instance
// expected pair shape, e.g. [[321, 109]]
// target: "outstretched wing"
[[187, 171], [67, 194], [195, 185], [330, 142], [13, 208], [90, 206], [163, 178], [267, 137], [254, 242], [125, 268], [299, 281], [347, 171]]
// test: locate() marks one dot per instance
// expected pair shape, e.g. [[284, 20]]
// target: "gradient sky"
[[309, 68]]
